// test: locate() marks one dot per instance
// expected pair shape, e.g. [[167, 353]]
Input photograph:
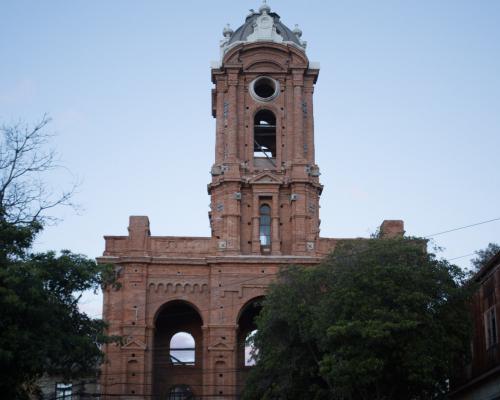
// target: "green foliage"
[[484, 255], [378, 319], [42, 331], [16, 239]]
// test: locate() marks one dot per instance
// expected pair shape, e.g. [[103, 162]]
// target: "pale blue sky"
[[407, 111]]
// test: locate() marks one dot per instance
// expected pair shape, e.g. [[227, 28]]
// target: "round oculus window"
[[264, 88]]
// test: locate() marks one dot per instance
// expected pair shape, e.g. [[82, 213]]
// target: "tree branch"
[[25, 196]]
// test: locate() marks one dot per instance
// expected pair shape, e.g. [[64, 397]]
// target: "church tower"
[[265, 188], [185, 306]]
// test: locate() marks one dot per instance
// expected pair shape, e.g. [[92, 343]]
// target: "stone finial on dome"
[[227, 32], [297, 31], [264, 7], [259, 26]]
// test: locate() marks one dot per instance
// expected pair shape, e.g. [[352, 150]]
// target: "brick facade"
[[210, 286]]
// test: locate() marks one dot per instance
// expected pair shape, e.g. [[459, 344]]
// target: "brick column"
[[289, 122], [298, 121], [255, 225], [222, 110], [299, 216], [232, 215], [308, 97], [275, 228], [232, 117]]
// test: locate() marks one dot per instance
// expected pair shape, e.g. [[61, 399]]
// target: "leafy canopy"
[[378, 319], [42, 331], [484, 255]]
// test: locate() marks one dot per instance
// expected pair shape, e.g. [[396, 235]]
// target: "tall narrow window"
[[182, 349], [265, 135], [265, 225], [490, 325]]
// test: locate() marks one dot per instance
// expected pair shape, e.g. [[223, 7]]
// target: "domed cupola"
[[262, 25]]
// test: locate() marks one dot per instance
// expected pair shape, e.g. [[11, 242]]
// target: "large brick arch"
[[180, 300], [246, 324], [248, 302], [176, 316], [195, 293]]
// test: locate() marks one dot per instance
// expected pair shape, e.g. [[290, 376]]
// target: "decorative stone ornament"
[[261, 25], [265, 29], [297, 31], [264, 7], [227, 32]]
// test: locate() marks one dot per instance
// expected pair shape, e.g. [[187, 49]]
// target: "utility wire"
[[462, 227], [262, 276], [465, 255]]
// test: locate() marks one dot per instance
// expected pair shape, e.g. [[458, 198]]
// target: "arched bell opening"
[[247, 353], [264, 150], [177, 352]]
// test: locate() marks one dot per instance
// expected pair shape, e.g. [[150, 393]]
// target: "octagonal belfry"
[[186, 305]]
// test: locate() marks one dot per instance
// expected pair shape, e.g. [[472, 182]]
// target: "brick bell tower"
[[265, 188], [185, 306]]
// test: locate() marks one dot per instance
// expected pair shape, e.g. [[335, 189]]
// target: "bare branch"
[[25, 158]]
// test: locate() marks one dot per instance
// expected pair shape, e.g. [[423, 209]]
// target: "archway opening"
[[177, 351], [247, 352]]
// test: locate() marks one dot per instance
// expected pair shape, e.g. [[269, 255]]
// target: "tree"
[[378, 319], [484, 255], [25, 196], [42, 330], [24, 162]]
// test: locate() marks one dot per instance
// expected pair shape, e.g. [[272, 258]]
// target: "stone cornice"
[[241, 259]]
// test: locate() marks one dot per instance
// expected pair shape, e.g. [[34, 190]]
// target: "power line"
[[262, 276], [462, 227], [465, 255], [427, 236]]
